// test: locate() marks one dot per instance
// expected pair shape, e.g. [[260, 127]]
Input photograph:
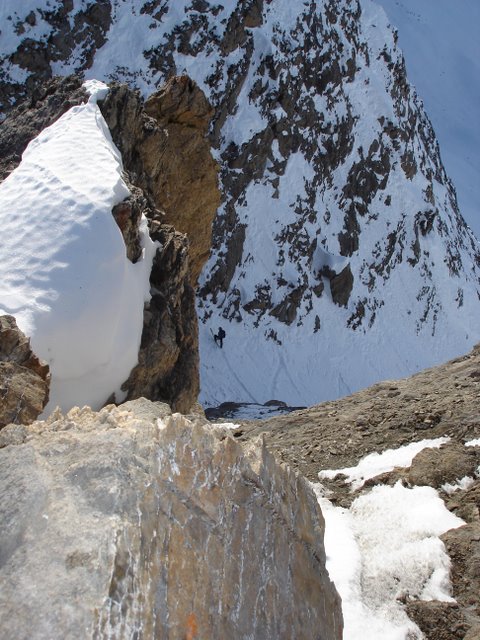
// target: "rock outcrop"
[[165, 148], [24, 379], [50, 100], [173, 181], [168, 363], [135, 523], [167, 157]]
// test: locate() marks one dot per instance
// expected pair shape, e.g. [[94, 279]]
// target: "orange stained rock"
[[192, 627]]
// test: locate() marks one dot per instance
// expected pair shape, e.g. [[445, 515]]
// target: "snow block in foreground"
[[64, 273]]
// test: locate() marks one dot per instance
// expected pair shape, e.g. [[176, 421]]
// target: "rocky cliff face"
[[183, 534], [164, 146], [339, 234], [167, 156], [24, 379]]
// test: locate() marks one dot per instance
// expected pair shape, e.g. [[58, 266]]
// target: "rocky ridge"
[[435, 403], [184, 533]]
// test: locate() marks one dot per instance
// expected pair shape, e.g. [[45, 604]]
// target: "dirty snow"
[[376, 463], [386, 548]]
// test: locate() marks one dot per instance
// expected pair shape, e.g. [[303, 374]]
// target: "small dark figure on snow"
[[219, 337]]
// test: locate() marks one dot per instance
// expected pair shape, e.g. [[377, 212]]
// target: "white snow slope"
[[64, 273], [441, 43], [415, 299], [417, 317]]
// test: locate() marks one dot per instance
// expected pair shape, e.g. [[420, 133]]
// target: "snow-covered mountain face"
[[339, 256], [442, 53]]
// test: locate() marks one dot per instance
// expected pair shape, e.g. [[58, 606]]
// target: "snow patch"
[[385, 548], [376, 463], [460, 485], [473, 443]]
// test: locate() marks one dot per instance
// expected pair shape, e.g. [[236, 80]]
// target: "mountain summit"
[[339, 256]]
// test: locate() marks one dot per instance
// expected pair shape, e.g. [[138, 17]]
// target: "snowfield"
[[414, 301], [64, 273]]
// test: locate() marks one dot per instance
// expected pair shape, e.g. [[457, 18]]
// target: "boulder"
[[134, 523], [24, 379], [448, 464]]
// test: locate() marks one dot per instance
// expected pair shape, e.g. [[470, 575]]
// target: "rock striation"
[[184, 534], [24, 379]]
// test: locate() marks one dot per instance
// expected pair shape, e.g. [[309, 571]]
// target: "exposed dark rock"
[[24, 379], [167, 367], [127, 215], [235, 411], [341, 286], [463, 547], [165, 150], [445, 465], [286, 311], [438, 620], [47, 103], [84, 33], [166, 153]]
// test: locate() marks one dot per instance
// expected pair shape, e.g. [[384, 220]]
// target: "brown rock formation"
[[168, 167], [183, 534], [166, 153], [167, 367], [164, 146], [24, 379], [127, 215]]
